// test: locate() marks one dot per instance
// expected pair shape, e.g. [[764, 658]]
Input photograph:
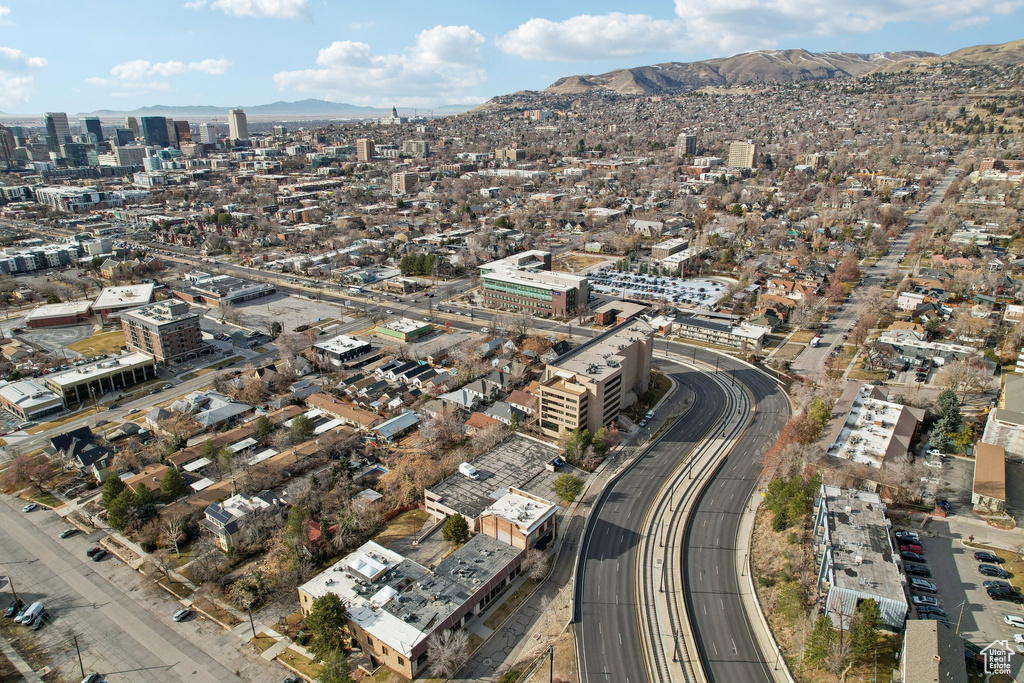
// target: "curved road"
[[608, 637]]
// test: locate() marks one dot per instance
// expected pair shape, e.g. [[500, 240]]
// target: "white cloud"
[[977, 20], [443, 64], [4, 11], [138, 69], [730, 26], [16, 79], [274, 9], [588, 37]]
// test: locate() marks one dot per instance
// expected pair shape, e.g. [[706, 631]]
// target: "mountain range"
[[768, 66], [308, 107]]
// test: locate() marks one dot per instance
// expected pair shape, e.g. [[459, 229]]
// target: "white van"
[[469, 471], [33, 611]]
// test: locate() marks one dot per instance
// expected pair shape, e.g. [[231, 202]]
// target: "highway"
[[607, 635], [811, 360]]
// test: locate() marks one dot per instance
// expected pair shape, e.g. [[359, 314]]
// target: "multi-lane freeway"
[[609, 644]]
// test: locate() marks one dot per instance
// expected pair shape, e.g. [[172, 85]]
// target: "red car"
[[911, 547]]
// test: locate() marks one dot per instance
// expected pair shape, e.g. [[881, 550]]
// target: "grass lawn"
[[42, 427], [510, 604], [300, 663], [205, 604], [198, 373], [263, 642], [98, 344], [868, 375], [802, 336], [47, 499], [409, 522]]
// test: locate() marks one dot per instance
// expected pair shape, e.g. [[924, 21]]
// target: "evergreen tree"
[[455, 529], [264, 427], [326, 621], [819, 641], [173, 485], [865, 622], [112, 489], [120, 509]]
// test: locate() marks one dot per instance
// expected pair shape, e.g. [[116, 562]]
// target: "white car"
[[182, 613], [134, 411], [29, 508], [935, 452], [1014, 620], [1018, 638], [934, 464], [925, 600]]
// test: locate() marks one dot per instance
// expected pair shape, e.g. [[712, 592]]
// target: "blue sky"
[[58, 55]]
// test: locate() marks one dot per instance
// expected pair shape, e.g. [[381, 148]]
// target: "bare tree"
[[447, 651], [172, 532], [535, 564]]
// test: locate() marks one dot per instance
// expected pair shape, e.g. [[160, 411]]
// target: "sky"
[[59, 55]]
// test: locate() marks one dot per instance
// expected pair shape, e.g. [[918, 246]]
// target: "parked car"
[[168, 386], [917, 569], [14, 608], [30, 507], [103, 553], [996, 582], [992, 570], [931, 609], [986, 556], [93, 677], [934, 617], [134, 411], [1007, 594], [1018, 637], [935, 451], [92, 551], [913, 557], [925, 600], [944, 504], [1014, 620], [68, 532], [911, 536], [182, 614], [912, 547]]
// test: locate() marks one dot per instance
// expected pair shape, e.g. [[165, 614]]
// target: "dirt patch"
[[262, 642], [409, 522], [299, 663], [565, 662], [215, 612], [573, 262], [98, 344], [511, 604]]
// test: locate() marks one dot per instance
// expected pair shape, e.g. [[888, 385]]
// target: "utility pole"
[[13, 592], [79, 651], [251, 624], [551, 663]]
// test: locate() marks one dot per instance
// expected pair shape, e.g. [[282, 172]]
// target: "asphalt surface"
[[811, 360], [724, 638], [608, 636]]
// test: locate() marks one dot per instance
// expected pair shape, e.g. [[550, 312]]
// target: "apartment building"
[[403, 183], [742, 154], [365, 149], [168, 331], [590, 385]]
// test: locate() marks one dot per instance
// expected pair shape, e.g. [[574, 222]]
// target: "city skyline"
[[247, 52]]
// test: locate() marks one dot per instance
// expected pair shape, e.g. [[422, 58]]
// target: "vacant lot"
[[98, 344], [573, 263]]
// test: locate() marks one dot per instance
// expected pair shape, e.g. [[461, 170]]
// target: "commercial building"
[[855, 557], [58, 315], [29, 259], [167, 330], [91, 126], [182, 131], [154, 131], [742, 154], [58, 131], [524, 282], [113, 300], [213, 290], [69, 199], [208, 133], [989, 490], [520, 519], [875, 430], [394, 605], [416, 148], [238, 126], [92, 380], [720, 333], [686, 145], [617, 312], [404, 329], [29, 399], [1005, 424], [132, 124], [226, 520], [364, 149], [663, 250], [590, 385], [129, 155], [341, 349]]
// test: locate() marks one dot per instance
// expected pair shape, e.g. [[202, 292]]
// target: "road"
[[608, 636], [724, 637], [125, 631], [811, 360]]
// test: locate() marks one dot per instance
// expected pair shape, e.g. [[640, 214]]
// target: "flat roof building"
[[113, 300], [989, 491], [341, 349], [855, 557], [167, 330], [92, 380], [56, 315], [29, 399], [539, 292], [404, 329], [394, 605], [520, 519], [211, 290], [875, 430], [590, 385]]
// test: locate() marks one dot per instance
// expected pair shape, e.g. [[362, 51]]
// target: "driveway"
[[123, 627]]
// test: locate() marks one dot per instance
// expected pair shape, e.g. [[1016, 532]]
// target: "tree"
[[601, 442], [535, 564], [862, 631], [24, 470], [455, 529], [302, 428], [120, 510], [173, 485], [447, 651], [575, 444], [112, 489], [326, 621], [264, 426], [847, 270], [819, 641], [275, 329], [567, 487], [335, 668], [173, 531]]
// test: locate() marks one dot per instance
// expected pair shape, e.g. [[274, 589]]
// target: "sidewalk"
[[20, 664]]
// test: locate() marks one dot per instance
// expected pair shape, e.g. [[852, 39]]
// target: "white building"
[[875, 430], [238, 126]]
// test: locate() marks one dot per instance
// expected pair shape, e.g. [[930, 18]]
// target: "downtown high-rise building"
[[182, 131], [7, 145], [58, 131], [122, 136], [238, 126], [132, 124], [686, 145], [208, 133], [364, 149], [91, 125], [154, 131]]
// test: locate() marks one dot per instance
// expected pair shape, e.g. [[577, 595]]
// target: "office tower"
[[122, 136], [154, 131], [238, 127], [6, 144], [91, 124], [280, 131], [416, 148], [182, 131], [57, 130], [364, 149], [133, 155], [208, 133], [172, 133], [132, 124], [77, 153], [741, 154], [686, 145]]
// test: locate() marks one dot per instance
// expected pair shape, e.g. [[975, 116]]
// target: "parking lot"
[[961, 593], [290, 311], [123, 626], [56, 339], [703, 292]]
